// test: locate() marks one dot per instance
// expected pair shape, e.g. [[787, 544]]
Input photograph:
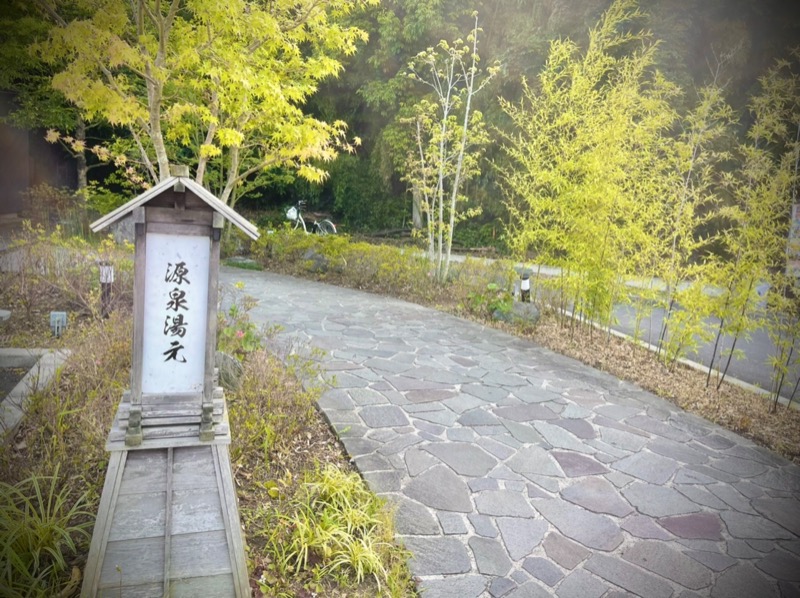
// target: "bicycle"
[[319, 227]]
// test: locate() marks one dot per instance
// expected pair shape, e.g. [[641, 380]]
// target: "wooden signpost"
[[168, 522]]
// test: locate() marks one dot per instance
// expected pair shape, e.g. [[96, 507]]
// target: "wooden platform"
[[168, 525]]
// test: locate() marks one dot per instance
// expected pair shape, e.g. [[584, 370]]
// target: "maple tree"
[[218, 85]]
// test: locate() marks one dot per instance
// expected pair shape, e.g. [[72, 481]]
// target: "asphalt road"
[[752, 368]]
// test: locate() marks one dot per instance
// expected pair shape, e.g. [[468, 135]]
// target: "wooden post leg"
[[133, 434]]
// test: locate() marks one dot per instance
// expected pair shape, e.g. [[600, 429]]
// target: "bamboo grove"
[[637, 203]]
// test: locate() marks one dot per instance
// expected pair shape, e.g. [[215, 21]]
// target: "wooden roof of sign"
[[178, 183]]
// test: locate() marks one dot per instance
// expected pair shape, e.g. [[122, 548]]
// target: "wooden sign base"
[[168, 521]]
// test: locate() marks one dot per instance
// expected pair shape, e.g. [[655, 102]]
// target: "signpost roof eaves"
[[240, 222]]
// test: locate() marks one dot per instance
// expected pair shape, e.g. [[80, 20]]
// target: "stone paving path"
[[521, 473]]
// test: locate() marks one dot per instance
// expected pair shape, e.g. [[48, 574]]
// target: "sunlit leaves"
[[223, 82]]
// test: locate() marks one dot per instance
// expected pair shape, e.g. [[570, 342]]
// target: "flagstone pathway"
[[521, 473]]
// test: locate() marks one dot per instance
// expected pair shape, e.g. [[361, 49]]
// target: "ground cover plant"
[[286, 459], [477, 289]]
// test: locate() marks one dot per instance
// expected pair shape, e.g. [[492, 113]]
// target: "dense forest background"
[[364, 190], [732, 41]]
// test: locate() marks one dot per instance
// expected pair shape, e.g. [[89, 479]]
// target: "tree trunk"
[[154, 96], [80, 157], [416, 208]]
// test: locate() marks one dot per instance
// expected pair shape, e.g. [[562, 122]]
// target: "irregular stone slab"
[[627, 576], [648, 424], [521, 536], [713, 560], [437, 555], [587, 398], [757, 453], [749, 489], [522, 432], [356, 447], [783, 511], [454, 586], [579, 584], [575, 464], [534, 393], [478, 417], [742, 580], [483, 484], [503, 503], [483, 525], [591, 530], [501, 586], [504, 379], [381, 482], [644, 527], [411, 517], [536, 460], [669, 563], [462, 403], [679, 452], [443, 417], [715, 441], [742, 525], [543, 569], [688, 476], [697, 526], [573, 411], [384, 416], [490, 394], [598, 496], [701, 496], [418, 461], [560, 438], [714, 474], [529, 590], [620, 480], [525, 413], [762, 545], [739, 549], [490, 556], [429, 396], [778, 480], [440, 488], [401, 442], [604, 422], [658, 501], [464, 458], [648, 467], [743, 468], [373, 462], [334, 400], [781, 565], [578, 427], [498, 449], [732, 498], [452, 523], [617, 412]]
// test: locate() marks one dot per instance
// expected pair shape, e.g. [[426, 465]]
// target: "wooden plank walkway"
[[168, 525]]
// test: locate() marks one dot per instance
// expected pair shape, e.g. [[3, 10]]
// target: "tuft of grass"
[[41, 525], [337, 529]]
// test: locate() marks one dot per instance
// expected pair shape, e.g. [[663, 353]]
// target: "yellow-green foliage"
[[40, 523], [399, 272], [338, 529]]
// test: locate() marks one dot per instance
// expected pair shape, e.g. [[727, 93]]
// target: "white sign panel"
[[175, 308]]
